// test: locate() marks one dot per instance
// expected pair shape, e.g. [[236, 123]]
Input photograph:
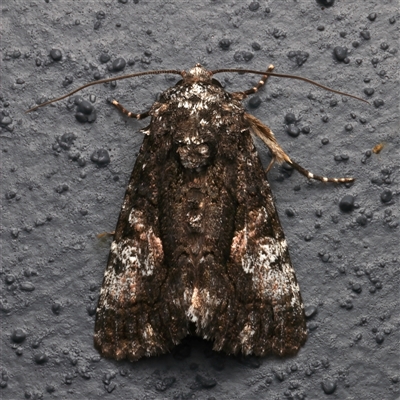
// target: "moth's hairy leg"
[[260, 84], [279, 155], [271, 163], [129, 113]]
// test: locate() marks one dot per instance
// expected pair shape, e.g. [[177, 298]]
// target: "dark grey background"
[[53, 204]]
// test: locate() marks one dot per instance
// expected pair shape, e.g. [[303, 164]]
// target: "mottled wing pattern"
[[269, 312], [133, 314], [198, 242]]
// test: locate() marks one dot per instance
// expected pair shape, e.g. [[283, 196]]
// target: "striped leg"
[[310, 175], [279, 155], [128, 113], [260, 84]]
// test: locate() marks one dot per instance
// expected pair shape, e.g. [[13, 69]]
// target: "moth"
[[198, 247]]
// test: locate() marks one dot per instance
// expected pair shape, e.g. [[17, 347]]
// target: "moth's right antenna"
[[300, 78]]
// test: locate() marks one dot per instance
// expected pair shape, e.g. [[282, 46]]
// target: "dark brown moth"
[[198, 245]]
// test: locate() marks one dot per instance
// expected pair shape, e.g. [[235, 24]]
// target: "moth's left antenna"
[[117, 78]]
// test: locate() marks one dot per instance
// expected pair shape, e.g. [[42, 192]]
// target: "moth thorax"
[[193, 155]]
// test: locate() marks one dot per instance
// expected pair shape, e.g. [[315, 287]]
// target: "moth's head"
[[197, 74]]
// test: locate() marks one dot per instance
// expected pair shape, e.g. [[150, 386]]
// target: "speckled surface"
[[55, 199]]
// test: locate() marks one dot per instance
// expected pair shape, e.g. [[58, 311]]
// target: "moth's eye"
[[216, 83]]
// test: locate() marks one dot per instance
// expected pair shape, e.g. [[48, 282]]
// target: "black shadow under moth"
[[198, 246]]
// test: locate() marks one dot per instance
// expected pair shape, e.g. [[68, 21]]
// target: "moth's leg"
[[105, 234], [310, 175], [128, 113], [271, 163], [260, 84], [279, 155]]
